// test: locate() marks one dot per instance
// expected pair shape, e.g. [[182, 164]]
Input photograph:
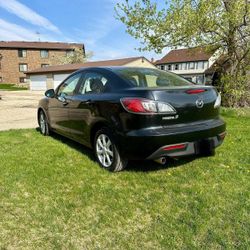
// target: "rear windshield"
[[151, 78]]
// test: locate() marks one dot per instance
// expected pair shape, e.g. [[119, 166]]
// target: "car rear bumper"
[[152, 143]]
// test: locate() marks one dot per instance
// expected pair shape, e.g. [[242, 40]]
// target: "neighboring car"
[[133, 113]]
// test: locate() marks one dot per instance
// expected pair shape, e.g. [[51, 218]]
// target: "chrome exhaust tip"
[[161, 160]]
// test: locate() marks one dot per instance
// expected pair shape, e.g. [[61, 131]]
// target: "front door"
[[58, 106]]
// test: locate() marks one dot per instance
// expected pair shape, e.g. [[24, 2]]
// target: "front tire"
[[106, 151], [43, 123]]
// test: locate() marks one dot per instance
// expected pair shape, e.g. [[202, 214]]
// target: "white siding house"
[[190, 63]]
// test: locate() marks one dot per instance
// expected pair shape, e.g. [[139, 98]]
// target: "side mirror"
[[50, 93]]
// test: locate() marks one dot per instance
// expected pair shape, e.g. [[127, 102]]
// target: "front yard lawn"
[[54, 196], [11, 87]]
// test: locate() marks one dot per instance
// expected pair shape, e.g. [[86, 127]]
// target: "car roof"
[[113, 68]]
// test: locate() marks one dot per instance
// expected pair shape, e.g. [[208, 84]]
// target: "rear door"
[[85, 104]]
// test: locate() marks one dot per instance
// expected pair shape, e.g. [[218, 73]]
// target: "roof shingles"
[[39, 45], [76, 66], [185, 55]]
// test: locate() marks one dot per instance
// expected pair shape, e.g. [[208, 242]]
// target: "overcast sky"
[[91, 22]]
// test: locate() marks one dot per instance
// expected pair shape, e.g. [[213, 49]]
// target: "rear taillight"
[[195, 91], [175, 147], [218, 101], [146, 106]]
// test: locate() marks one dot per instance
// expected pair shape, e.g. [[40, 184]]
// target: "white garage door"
[[58, 78], [38, 82]]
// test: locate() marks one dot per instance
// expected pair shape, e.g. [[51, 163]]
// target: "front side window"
[[151, 78], [68, 87], [23, 67], [22, 53], [162, 67], [94, 83], [44, 53], [169, 67]]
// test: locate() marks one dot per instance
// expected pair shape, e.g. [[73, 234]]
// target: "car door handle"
[[63, 100]]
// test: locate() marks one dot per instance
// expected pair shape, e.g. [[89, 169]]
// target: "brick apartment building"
[[17, 57]]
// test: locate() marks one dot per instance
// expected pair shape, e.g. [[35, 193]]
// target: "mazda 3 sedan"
[[133, 113]]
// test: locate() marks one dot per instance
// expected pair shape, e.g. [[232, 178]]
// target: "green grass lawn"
[[54, 196], [11, 87]]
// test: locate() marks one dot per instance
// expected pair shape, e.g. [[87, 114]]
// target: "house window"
[[69, 53], [191, 65], [22, 79], [1, 79], [205, 64], [44, 53], [169, 67], [176, 67], [200, 79], [22, 53], [162, 67], [184, 66], [23, 67], [44, 65], [200, 65]]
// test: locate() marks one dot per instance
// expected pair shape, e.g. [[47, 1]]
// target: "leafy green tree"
[[222, 25], [77, 55]]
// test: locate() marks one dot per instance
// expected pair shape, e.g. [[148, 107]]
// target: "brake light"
[[146, 106], [176, 146], [195, 91]]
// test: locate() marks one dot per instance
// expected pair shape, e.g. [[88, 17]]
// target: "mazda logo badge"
[[199, 103]]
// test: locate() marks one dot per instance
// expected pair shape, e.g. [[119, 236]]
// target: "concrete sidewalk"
[[18, 109]]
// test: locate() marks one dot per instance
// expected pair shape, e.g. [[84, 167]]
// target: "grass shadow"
[[133, 166], [72, 144], [149, 166]]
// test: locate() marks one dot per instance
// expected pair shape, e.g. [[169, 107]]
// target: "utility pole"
[[38, 36]]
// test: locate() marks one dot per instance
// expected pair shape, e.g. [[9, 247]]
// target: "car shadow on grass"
[[148, 166], [133, 166]]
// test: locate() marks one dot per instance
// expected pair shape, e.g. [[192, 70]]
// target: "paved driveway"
[[18, 109]]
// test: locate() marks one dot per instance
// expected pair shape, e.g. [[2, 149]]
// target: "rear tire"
[[43, 123], [107, 152]]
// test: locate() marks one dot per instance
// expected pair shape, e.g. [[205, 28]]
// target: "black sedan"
[[133, 113]]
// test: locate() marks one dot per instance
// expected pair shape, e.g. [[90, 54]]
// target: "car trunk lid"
[[195, 103]]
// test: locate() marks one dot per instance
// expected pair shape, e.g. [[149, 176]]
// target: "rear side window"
[[151, 78], [93, 83]]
